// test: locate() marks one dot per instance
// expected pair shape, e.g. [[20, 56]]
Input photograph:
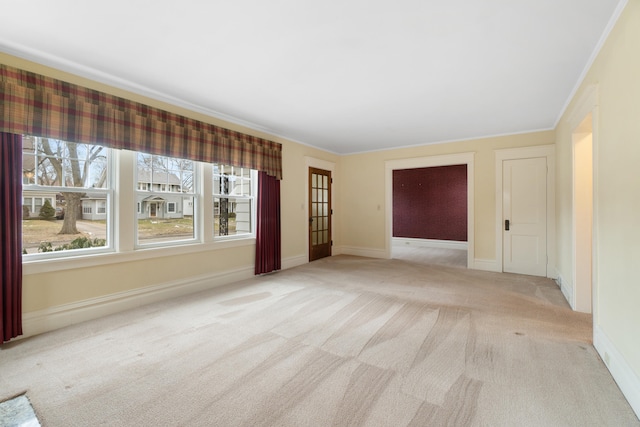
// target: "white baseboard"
[[52, 318], [294, 261], [622, 373], [364, 252], [428, 243], [567, 289], [49, 319], [486, 265]]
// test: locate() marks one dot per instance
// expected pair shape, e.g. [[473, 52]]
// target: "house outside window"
[[32, 205], [163, 185]]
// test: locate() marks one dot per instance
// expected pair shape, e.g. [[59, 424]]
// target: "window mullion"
[[125, 225], [205, 197]]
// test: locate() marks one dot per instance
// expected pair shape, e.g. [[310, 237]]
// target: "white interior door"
[[525, 216]]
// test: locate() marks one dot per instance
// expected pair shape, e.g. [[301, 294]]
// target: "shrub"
[[47, 211], [82, 243], [45, 247], [77, 243], [26, 213]]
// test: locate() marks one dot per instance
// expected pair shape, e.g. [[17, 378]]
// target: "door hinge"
[[331, 211], [332, 180], [332, 243]]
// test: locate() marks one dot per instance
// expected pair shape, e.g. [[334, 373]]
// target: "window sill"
[[92, 260]]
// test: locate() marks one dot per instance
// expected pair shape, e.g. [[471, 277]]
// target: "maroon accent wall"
[[430, 203]]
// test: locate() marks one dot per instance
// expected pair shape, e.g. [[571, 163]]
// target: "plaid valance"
[[38, 105]]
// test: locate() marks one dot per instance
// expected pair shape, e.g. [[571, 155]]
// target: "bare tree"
[[70, 165]]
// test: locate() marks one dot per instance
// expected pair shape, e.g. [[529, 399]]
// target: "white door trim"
[[426, 162], [547, 151], [581, 297], [587, 103]]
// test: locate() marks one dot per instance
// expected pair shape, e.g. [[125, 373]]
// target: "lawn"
[[35, 231], [148, 228]]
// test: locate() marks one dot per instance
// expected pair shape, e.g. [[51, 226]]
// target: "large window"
[[72, 200], [61, 183], [233, 200], [166, 193]]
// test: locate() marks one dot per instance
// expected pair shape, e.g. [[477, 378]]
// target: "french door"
[[319, 213]]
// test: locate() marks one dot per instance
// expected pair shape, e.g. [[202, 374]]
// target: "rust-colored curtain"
[[10, 236], [268, 241]]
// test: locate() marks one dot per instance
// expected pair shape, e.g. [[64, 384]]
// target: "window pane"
[[216, 184], [246, 187], [49, 171], [98, 171], [232, 216], [164, 199], [187, 182], [29, 163], [40, 235], [144, 163], [161, 220], [77, 177], [235, 186], [233, 213]]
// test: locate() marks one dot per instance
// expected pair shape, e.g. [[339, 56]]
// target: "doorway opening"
[[447, 251], [583, 215], [430, 215]]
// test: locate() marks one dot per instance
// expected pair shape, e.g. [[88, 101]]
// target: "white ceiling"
[[343, 75]]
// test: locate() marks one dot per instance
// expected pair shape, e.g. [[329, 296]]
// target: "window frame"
[[123, 214], [34, 191], [252, 198], [158, 192]]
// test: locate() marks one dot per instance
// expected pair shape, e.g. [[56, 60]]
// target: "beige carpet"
[[436, 256], [344, 341]]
